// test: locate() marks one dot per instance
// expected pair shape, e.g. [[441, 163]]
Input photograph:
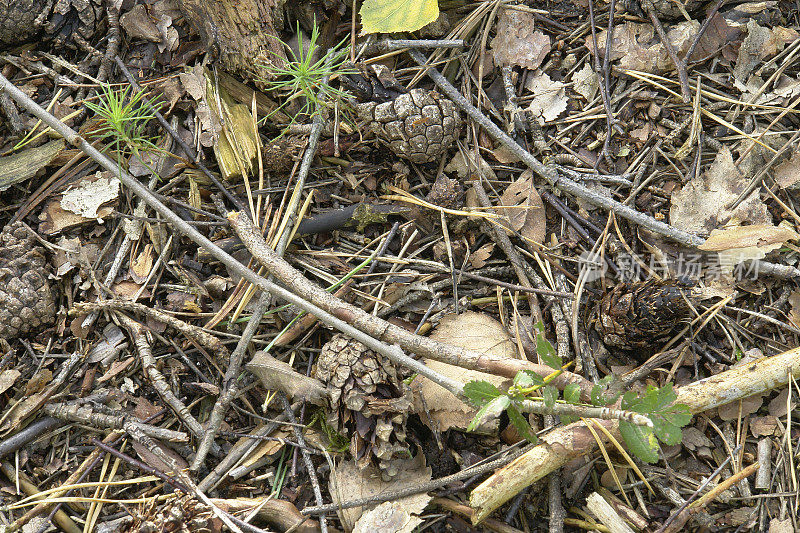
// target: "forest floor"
[[331, 274]]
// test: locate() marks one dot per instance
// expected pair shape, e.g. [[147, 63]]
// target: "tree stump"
[[241, 33]]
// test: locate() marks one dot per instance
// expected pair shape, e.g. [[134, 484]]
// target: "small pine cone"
[[641, 314], [369, 402], [419, 126], [74, 19], [18, 20], [27, 302]]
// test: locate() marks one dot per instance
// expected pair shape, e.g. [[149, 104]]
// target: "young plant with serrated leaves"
[[123, 116], [306, 75], [492, 402], [643, 420], [668, 418]]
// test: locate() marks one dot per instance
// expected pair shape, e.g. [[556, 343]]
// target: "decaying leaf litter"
[[455, 270]]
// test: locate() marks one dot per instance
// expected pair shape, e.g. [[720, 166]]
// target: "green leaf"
[[550, 395], [389, 16], [523, 380], [479, 393], [521, 423], [547, 353], [491, 410], [536, 379], [572, 393], [640, 440], [598, 394]]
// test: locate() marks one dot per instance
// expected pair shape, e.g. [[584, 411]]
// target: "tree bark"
[[242, 34]]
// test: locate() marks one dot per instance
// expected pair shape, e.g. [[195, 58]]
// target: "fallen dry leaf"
[[524, 208], [637, 47], [737, 244], [702, 204], [759, 44], [788, 173], [762, 426], [585, 82], [138, 25], [479, 257], [348, 482], [730, 411], [779, 406], [89, 194], [517, 43], [480, 333], [549, 100]]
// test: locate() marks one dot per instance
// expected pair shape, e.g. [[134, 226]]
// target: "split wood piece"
[[242, 32], [381, 329], [575, 440], [606, 514], [193, 332]]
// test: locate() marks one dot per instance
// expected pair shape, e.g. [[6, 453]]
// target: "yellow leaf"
[[389, 16]]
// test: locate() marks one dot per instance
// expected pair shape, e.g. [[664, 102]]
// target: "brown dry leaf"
[[638, 47], [55, 219], [126, 290], [348, 482], [788, 172], [585, 82], [524, 208], [38, 381], [750, 405], [479, 333], [142, 264], [702, 204], [479, 257], [693, 438], [116, 368], [467, 167], [549, 100], [778, 406], [719, 35], [741, 243], [776, 525], [516, 43], [138, 25], [8, 378], [760, 43], [763, 426]]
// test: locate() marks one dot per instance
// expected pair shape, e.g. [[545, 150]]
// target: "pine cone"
[[641, 314], [26, 299], [17, 20], [369, 402], [419, 126], [184, 514], [62, 20]]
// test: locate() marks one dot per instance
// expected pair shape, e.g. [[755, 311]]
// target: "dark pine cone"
[[27, 302], [641, 314], [63, 21]]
